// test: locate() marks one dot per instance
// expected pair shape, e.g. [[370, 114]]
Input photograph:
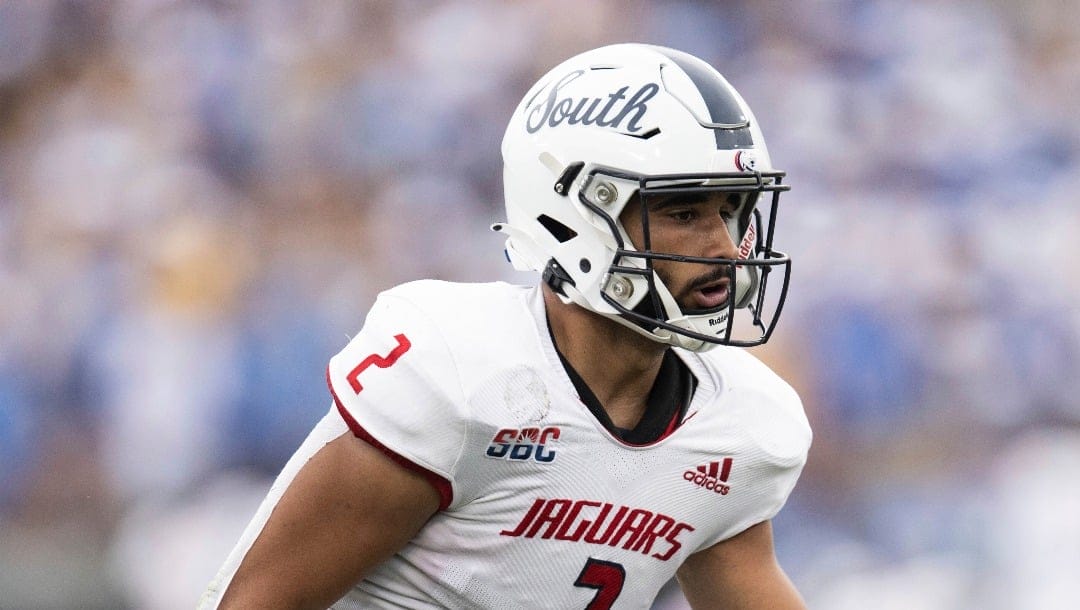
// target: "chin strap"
[[556, 277]]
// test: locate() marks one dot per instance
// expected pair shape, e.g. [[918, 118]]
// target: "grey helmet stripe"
[[723, 107]]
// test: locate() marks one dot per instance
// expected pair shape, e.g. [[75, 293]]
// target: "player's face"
[[689, 225]]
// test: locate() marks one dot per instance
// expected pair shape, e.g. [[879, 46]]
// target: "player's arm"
[[739, 573], [349, 508]]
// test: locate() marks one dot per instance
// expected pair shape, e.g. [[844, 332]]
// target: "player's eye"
[[682, 215]]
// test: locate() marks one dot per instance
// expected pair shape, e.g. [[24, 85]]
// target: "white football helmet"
[[634, 119]]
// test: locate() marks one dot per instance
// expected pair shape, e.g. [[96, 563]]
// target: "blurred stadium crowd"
[[200, 199]]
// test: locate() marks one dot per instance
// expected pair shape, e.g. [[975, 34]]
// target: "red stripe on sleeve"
[[441, 485]]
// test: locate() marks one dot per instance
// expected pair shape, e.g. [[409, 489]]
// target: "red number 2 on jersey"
[[382, 362], [606, 577]]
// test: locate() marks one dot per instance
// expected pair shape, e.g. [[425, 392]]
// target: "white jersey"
[[542, 507]]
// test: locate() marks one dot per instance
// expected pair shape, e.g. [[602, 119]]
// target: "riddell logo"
[[711, 476], [748, 241]]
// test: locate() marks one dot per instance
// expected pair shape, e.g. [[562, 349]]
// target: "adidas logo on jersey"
[[712, 476]]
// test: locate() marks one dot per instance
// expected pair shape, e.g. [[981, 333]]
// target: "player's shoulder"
[[769, 408], [474, 322], [463, 311], [737, 367]]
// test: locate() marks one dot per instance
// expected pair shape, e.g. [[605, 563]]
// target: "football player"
[[581, 442]]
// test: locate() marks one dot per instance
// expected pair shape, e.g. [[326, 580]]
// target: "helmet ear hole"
[[558, 230]]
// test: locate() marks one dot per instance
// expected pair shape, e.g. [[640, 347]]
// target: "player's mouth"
[[712, 295]]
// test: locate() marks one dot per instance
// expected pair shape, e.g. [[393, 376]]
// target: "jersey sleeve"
[[779, 438], [397, 388]]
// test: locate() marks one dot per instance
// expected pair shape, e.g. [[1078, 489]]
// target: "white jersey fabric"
[[542, 507]]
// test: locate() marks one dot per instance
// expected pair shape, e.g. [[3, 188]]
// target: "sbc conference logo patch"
[[524, 444]]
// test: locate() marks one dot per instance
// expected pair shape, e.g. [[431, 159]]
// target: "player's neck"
[[618, 365]]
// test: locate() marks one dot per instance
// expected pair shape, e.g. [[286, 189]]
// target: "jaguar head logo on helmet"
[[613, 131]]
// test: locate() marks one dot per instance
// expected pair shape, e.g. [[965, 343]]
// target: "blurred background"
[[199, 200]]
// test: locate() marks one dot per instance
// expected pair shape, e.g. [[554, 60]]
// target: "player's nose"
[[720, 243]]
